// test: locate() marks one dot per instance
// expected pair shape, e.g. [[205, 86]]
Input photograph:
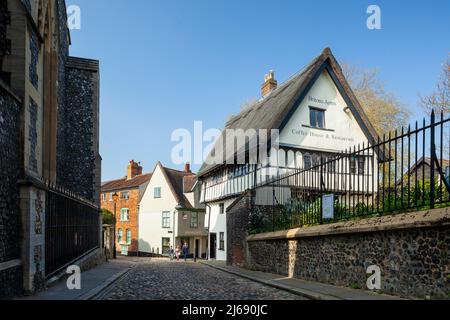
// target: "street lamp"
[[177, 208], [115, 199]]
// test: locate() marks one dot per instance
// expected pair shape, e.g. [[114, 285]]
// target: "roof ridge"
[[179, 171], [108, 181]]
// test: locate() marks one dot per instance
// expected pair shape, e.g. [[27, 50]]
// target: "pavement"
[[307, 289], [92, 282]]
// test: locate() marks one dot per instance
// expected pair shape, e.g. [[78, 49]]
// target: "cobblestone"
[[160, 279]]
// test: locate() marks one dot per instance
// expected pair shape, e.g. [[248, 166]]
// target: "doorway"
[[197, 248], [213, 242]]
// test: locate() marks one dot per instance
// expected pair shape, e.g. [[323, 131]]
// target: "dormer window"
[[317, 118]]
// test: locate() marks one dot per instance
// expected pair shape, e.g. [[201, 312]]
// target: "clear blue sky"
[[167, 63]]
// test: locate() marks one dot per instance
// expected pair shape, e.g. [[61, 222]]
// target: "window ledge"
[[322, 129]]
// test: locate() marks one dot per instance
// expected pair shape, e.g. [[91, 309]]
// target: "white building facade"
[[170, 214], [317, 117]]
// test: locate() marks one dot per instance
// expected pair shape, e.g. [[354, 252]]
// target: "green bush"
[[258, 221], [107, 216]]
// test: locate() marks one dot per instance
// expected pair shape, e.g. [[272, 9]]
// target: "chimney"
[[187, 168], [134, 169], [270, 84]]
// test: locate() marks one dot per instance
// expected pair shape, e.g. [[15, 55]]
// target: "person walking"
[[177, 253], [171, 253], [185, 250]]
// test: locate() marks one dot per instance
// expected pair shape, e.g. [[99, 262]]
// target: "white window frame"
[[165, 219], [128, 236], [123, 197], [155, 194], [127, 214], [120, 235]]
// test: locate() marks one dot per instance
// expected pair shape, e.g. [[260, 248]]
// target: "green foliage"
[[258, 221], [355, 286], [417, 197], [301, 213], [107, 216]]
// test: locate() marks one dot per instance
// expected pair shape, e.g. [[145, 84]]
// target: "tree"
[[439, 100], [384, 109], [107, 216]]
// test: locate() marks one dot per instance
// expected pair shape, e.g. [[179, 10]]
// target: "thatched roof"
[[275, 110]]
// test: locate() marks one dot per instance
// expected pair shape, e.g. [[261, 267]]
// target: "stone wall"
[[78, 130], [5, 44], [9, 175], [412, 251], [11, 280]]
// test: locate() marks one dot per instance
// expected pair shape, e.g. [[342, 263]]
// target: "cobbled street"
[[161, 279]]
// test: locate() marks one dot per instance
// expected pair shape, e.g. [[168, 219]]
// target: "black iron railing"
[[402, 171], [72, 228]]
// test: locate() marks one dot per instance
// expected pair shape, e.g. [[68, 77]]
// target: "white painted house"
[[317, 115], [170, 213]]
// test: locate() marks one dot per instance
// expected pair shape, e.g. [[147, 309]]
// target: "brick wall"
[[238, 220], [237, 225], [132, 224]]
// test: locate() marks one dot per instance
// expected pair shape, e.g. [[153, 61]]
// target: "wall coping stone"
[[10, 264], [5, 87], [423, 219]]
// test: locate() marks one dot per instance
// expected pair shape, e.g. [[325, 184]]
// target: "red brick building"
[[130, 190]]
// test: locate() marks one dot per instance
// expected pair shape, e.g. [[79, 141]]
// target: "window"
[[307, 159], [119, 236], [103, 197], [316, 161], [157, 192], [194, 220], [237, 171], [317, 118], [218, 178], [352, 164], [128, 236], [222, 208], [125, 195], [111, 196], [165, 245], [222, 241], [124, 214], [166, 219], [361, 165]]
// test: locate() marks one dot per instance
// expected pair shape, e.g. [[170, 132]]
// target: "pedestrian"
[[171, 252], [185, 250], [177, 253]]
